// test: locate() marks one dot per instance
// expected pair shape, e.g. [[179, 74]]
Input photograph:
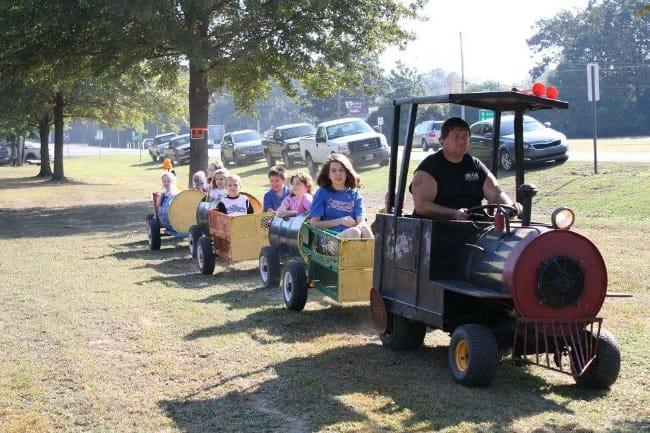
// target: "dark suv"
[[541, 143], [178, 149], [285, 143]]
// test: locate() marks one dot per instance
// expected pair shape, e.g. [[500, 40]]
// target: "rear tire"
[[269, 159], [224, 160], [294, 286], [424, 145], [194, 236], [603, 370], [153, 233], [205, 256], [402, 333], [288, 162], [270, 270], [311, 165], [473, 355]]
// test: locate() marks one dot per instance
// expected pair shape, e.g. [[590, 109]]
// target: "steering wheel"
[[486, 212]]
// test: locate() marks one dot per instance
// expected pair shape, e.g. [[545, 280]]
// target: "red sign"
[[198, 133]]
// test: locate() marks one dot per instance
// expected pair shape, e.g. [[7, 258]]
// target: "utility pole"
[[462, 75]]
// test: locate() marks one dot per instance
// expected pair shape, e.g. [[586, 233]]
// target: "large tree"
[[607, 32], [238, 44]]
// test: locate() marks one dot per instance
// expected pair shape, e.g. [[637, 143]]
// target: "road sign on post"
[[593, 95], [593, 86], [485, 114]]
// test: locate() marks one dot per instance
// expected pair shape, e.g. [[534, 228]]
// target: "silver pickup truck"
[[352, 137]]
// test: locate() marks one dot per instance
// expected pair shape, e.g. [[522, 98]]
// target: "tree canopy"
[[609, 33]]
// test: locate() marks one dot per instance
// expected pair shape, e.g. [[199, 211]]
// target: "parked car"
[[427, 134], [5, 154], [157, 149], [178, 149], [541, 143], [32, 151], [284, 144], [240, 146]]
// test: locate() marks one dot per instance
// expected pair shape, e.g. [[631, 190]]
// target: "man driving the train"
[[449, 182]]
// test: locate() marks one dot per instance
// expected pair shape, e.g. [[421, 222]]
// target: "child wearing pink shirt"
[[299, 201]]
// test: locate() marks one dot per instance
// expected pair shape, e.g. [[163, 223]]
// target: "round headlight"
[[562, 218]]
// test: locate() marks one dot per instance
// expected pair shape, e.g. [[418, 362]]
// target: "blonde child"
[[169, 188], [299, 201], [199, 181], [218, 184], [234, 203], [279, 189], [212, 167]]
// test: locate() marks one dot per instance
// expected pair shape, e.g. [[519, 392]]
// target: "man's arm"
[[425, 190], [494, 194]]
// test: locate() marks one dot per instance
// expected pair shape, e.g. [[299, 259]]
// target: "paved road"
[[416, 154]]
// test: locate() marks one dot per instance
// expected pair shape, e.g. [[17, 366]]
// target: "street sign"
[[485, 114], [593, 86], [380, 121]]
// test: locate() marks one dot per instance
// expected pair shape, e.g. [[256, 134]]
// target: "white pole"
[[462, 74]]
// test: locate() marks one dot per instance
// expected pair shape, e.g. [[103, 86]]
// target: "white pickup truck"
[[350, 136]]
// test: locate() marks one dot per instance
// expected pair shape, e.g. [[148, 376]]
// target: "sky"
[[504, 24]]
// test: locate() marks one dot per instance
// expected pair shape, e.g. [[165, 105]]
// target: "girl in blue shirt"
[[337, 204]]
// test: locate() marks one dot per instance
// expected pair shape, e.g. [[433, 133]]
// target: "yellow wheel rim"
[[462, 355]]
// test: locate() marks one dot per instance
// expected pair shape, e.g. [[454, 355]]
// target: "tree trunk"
[[58, 138], [44, 133], [198, 102]]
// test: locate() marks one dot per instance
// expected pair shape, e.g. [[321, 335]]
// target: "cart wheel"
[[294, 286], [603, 370], [269, 266], [473, 355], [153, 233], [402, 333], [205, 256], [194, 236]]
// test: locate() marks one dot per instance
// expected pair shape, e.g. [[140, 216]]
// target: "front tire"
[[270, 270], [603, 370], [205, 256], [194, 236], [473, 355], [402, 333], [505, 160], [294, 286], [153, 233]]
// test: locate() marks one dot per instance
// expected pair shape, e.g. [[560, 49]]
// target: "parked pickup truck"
[[350, 136], [285, 143]]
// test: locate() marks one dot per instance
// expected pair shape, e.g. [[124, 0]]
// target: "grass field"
[[100, 334]]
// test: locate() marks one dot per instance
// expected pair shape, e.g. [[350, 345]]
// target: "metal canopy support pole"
[[496, 138], [519, 151], [392, 168], [406, 158]]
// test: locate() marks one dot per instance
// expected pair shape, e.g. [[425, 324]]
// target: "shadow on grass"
[[282, 324], [35, 182], [322, 392], [45, 221]]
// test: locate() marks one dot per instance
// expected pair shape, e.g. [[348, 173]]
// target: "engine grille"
[[546, 145], [560, 282], [364, 145]]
